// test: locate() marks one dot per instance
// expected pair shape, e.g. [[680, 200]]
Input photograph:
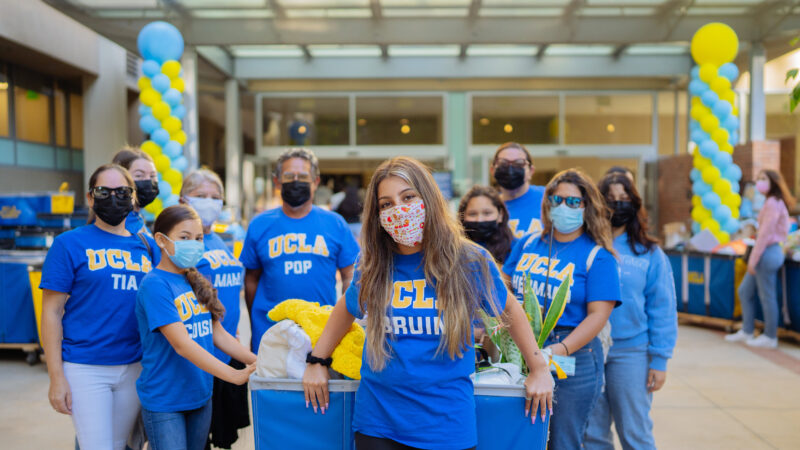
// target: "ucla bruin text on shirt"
[[188, 306], [99, 259], [220, 258], [411, 294], [537, 265]]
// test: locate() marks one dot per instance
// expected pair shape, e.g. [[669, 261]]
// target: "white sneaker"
[[763, 341], [739, 336]]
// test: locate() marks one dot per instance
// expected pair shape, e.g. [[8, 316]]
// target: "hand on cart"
[[539, 393], [315, 386]]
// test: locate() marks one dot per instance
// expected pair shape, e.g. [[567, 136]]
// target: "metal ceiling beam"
[[375, 6], [619, 50], [277, 9], [462, 51], [219, 57], [474, 9], [306, 52], [384, 51]]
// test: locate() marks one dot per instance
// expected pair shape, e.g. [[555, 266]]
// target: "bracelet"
[[310, 359], [565, 347]]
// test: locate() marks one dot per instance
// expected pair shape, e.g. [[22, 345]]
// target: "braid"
[[205, 292]]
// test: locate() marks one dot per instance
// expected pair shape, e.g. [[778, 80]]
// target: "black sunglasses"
[[572, 202], [102, 192]]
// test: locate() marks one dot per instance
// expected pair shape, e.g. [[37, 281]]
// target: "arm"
[[179, 339], [769, 213], [228, 344], [597, 314], [251, 277], [346, 274], [539, 383], [315, 379], [662, 316], [52, 333]]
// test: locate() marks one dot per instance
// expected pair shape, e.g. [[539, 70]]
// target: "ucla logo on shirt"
[[537, 264], [114, 258], [535, 226], [218, 259], [411, 294], [188, 306], [297, 244]]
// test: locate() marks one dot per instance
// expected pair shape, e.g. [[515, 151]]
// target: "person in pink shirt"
[[765, 261]]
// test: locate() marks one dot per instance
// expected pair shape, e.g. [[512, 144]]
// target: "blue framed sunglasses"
[[572, 202]]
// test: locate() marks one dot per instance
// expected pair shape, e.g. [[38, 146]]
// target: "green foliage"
[[794, 97]]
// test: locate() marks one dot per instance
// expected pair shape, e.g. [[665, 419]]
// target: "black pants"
[[229, 411], [364, 442]]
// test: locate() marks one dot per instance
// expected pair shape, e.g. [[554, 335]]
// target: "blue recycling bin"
[[793, 294], [17, 320], [281, 420], [704, 283]]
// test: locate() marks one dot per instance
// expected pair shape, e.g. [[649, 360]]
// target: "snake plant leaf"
[[531, 306], [556, 310]]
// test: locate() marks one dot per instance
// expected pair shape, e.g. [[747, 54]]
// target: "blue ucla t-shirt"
[[599, 283], [298, 258], [226, 274], [525, 212], [420, 399], [135, 224], [169, 382], [101, 272]]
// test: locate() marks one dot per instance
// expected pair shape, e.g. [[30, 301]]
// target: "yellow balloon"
[[722, 187], [179, 136], [721, 85], [710, 225], [700, 214], [723, 237], [714, 43], [720, 136], [171, 68], [696, 101], [171, 124], [162, 162], [732, 200], [151, 148], [727, 148], [710, 174], [709, 123], [730, 97], [697, 201], [149, 97], [735, 111], [143, 83], [735, 213], [161, 110], [708, 72], [178, 84], [700, 112], [155, 206], [701, 162], [174, 177]]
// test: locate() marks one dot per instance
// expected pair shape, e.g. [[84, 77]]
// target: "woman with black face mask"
[[90, 280], [143, 170], [512, 168], [644, 328], [485, 221]]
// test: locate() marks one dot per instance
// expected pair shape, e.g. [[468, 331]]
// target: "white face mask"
[[405, 223], [208, 209]]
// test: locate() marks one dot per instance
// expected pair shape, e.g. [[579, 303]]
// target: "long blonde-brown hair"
[[451, 262], [596, 211]]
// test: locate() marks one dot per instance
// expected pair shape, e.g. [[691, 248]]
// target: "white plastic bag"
[[282, 352]]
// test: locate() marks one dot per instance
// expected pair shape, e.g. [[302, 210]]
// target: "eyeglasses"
[[288, 177], [572, 202], [102, 192], [521, 163]]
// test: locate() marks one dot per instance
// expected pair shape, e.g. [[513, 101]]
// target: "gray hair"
[[298, 152], [198, 177]]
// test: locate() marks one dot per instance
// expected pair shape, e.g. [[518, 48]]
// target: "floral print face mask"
[[405, 223]]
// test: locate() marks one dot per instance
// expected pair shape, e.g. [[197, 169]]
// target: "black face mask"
[[295, 193], [481, 231], [624, 212], [112, 210], [146, 192], [509, 176]]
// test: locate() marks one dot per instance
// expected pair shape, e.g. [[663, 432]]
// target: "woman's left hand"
[[655, 379], [539, 393], [557, 349], [751, 270]]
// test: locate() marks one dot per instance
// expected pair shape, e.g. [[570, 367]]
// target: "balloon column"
[[714, 129], [161, 110]]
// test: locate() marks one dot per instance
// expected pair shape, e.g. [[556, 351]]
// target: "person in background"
[[143, 170], [577, 239], [179, 317], [512, 168], [765, 261], [294, 251], [415, 390], [350, 209], [90, 280], [644, 329], [203, 190], [621, 170], [485, 221]]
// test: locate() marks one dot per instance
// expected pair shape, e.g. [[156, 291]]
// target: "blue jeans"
[[765, 282], [575, 397], [625, 402], [183, 430]]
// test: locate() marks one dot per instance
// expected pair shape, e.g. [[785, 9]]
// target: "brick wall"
[[674, 190], [789, 162]]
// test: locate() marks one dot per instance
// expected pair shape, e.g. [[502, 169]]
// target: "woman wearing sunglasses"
[[574, 246], [89, 332]]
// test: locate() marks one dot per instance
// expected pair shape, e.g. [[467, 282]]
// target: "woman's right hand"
[[315, 386], [60, 395], [241, 376], [539, 392]]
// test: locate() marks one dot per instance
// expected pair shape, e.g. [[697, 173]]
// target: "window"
[[60, 104], [523, 119], [76, 121], [666, 122], [4, 119], [609, 119], [305, 121], [399, 120], [32, 107]]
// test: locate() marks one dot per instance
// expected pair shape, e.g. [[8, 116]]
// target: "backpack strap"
[[146, 244], [592, 255]]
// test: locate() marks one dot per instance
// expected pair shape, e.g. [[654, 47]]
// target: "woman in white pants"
[[89, 331]]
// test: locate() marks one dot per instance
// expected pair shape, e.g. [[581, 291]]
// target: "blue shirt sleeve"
[[351, 295], [661, 310], [158, 303], [349, 251], [513, 257], [497, 291], [58, 271], [249, 256], [602, 281]]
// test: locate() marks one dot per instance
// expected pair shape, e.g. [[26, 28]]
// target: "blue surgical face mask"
[[208, 209], [566, 219], [187, 253]]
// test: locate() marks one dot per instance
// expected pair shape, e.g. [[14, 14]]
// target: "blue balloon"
[[148, 124], [161, 83], [160, 41], [151, 68], [711, 200], [729, 71], [145, 110], [733, 173], [180, 163], [697, 88], [173, 149], [694, 126], [709, 98], [731, 226], [164, 190], [722, 160], [160, 137], [731, 123], [722, 109], [733, 137], [709, 148], [148, 216], [700, 136], [700, 188], [171, 200], [173, 97], [734, 186], [722, 214], [695, 175], [695, 73], [179, 111]]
